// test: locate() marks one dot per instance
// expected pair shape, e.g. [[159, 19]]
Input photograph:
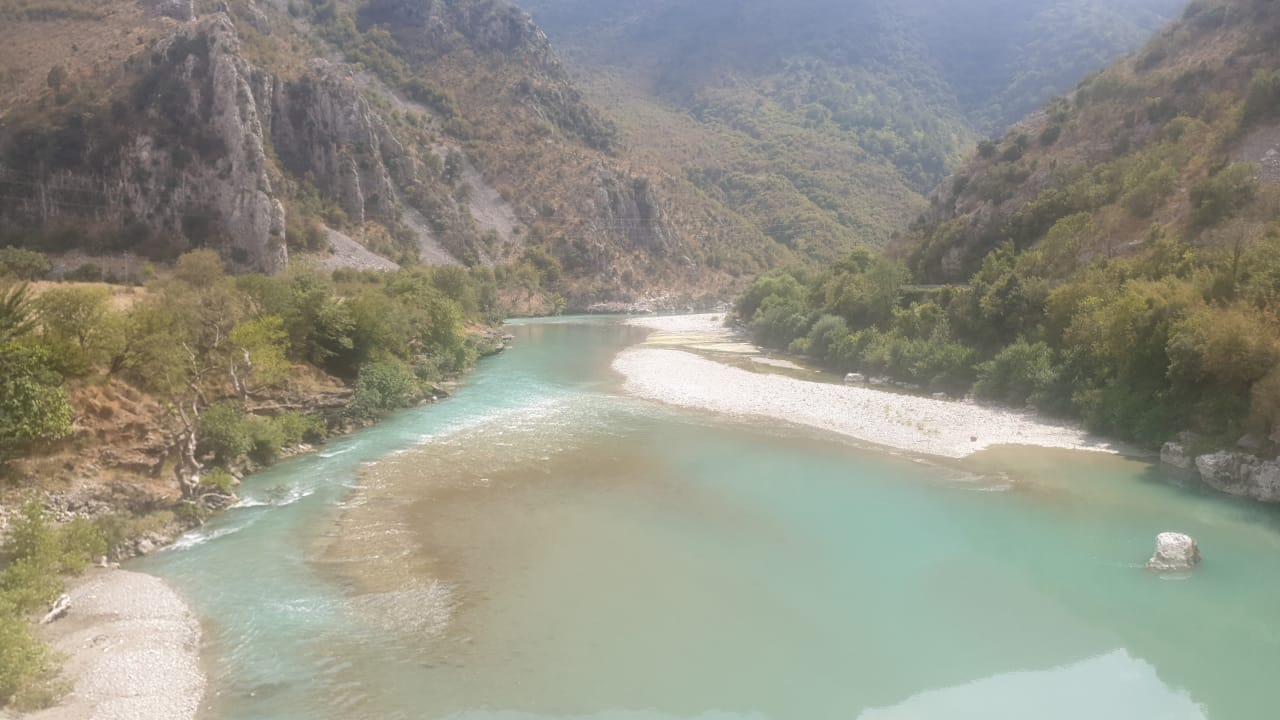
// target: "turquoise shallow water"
[[541, 546]]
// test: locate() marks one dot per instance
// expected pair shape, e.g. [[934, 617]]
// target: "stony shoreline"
[[929, 426], [132, 648]]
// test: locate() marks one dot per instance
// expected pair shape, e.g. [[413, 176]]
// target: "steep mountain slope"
[[824, 122], [1151, 139], [449, 132], [423, 131], [1114, 257]]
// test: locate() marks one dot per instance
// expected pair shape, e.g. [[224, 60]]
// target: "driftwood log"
[[57, 610]]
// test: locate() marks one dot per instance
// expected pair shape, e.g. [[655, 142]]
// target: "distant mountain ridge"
[[1140, 142], [717, 140], [422, 131], [826, 121]]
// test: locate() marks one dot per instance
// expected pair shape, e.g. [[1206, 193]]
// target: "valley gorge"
[[525, 359]]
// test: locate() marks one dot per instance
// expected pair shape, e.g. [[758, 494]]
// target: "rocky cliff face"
[[627, 207], [202, 65], [180, 163], [435, 26], [323, 126], [436, 131]]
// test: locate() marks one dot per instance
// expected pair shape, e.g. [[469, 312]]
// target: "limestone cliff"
[[422, 131], [436, 27], [180, 162], [322, 125]]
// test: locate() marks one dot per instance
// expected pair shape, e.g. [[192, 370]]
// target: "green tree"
[[1223, 194], [75, 324], [1019, 373], [33, 403], [224, 432], [17, 318], [180, 348], [862, 288], [383, 386], [258, 359], [1230, 348], [24, 264], [1264, 406], [778, 283], [201, 269], [35, 555], [74, 313], [826, 335]]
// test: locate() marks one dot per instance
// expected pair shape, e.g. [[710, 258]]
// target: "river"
[[543, 546]]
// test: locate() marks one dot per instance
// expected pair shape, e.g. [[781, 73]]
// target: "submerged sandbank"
[[916, 424], [132, 651]]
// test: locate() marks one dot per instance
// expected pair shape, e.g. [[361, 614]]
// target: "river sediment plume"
[[132, 648], [916, 424]]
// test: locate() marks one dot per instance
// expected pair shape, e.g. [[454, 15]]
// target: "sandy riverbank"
[[132, 651], [905, 422]]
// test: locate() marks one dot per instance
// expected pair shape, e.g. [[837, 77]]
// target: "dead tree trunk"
[[189, 468], [241, 384]]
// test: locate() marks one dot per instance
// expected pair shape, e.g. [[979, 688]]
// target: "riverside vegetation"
[[1113, 257], [1121, 250], [218, 354]]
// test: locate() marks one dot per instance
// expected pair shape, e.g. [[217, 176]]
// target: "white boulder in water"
[[1174, 551]]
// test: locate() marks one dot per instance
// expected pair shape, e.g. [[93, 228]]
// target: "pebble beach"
[[131, 647], [661, 370]]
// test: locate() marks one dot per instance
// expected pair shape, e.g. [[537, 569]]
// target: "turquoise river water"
[[543, 546]]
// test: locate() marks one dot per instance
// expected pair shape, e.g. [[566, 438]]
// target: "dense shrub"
[[24, 264], [33, 403], [296, 428], [383, 386], [219, 480], [225, 433], [1222, 194], [1262, 103], [1020, 373]]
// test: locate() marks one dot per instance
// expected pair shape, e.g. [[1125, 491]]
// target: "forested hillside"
[[824, 122], [1115, 256]]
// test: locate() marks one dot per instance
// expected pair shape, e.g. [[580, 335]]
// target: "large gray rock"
[[1265, 481], [1174, 551], [1226, 471], [1241, 474], [1175, 454]]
